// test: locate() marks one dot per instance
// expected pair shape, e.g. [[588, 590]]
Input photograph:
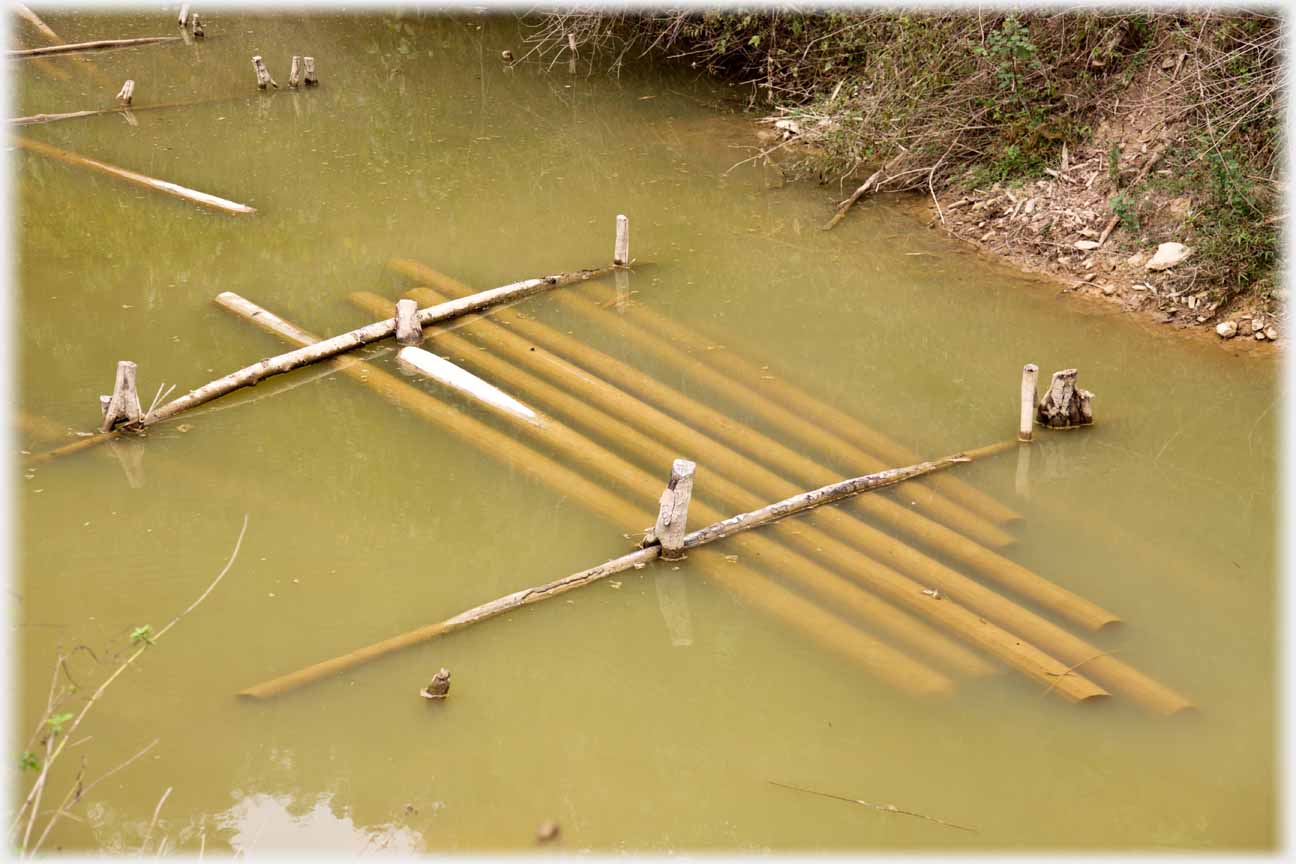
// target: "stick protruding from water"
[[1029, 388]]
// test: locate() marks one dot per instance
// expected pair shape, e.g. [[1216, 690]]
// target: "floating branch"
[[174, 189], [710, 534], [82, 47], [846, 205], [885, 808], [35, 119]]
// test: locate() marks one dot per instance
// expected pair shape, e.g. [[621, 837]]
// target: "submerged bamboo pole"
[[1117, 674], [82, 47], [34, 119], [335, 345], [639, 558], [878, 658], [887, 583], [55, 39], [174, 189], [793, 468]]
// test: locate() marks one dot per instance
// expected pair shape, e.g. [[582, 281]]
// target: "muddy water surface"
[[645, 713]]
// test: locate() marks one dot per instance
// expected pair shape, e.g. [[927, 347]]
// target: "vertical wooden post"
[[408, 329], [124, 403], [198, 31], [184, 14], [672, 512], [126, 93], [309, 64], [621, 251], [571, 59], [262, 73], [294, 76], [1029, 386]]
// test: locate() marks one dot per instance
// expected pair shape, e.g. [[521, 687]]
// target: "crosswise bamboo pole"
[[640, 558], [875, 656], [82, 47], [324, 349]]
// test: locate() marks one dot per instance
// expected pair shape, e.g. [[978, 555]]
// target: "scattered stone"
[[1271, 333], [1108, 290], [547, 832], [1169, 62], [1227, 330], [1168, 255], [1136, 260], [1259, 336], [1088, 277], [1088, 232], [1086, 245]]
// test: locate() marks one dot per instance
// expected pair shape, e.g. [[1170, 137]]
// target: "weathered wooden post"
[[1065, 405], [124, 403], [672, 513], [571, 60], [198, 31], [310, 79], [184, 14], [294, 75], [126, 93], [263, 74], [620, 260], [408, 329], [1029, 388]]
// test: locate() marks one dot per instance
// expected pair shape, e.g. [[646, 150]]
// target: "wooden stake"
[[408, 329], [1065, 405], [1029, 387], [262, 74], [124, 405], [672, 512], [198, 31], [528, 596], [294, 75], [310, 79], [184, 14], [621, 251], [174, 189], [127, 93], [80, 47]]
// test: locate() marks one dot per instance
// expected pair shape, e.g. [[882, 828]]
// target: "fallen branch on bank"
[[711, 533], [885, 808], [174, 189], [82, 47]]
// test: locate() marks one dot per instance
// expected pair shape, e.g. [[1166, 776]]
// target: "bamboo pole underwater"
[[878, 658], [1117, 674], [795, 468], [809, 542], [55, 39], [637, 559], [37, 119], [174, 189], [824, 414], [890, 585]]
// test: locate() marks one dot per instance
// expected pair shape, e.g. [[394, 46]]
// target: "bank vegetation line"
[[618, 387], [632, 560], [830, 630], [530, 353]]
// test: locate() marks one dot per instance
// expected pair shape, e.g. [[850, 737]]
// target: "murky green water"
[[366, 521]]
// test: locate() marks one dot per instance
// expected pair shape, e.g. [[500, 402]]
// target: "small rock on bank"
[[1168, 255], [1227, 330]]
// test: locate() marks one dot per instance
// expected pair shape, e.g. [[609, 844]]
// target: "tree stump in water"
[[1065, 405]]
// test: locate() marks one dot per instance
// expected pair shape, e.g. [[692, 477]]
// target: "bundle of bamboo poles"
[[887, 566]]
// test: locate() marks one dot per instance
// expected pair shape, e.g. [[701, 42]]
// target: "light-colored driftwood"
[[124, 405], [262, 74], [527, 596], [126, 93], [850, 202], [621, 251], [294, 73], [1029, 390], [439, 369], [1065, 405], [259, 371], [308, 72], [198, 31], [184, 14], [826, 628], [811, 559], [672, 512], [34, 119], [408, 330], [80, 47], [174, 189]]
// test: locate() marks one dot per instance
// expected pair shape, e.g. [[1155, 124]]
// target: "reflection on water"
[[649, 714]]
